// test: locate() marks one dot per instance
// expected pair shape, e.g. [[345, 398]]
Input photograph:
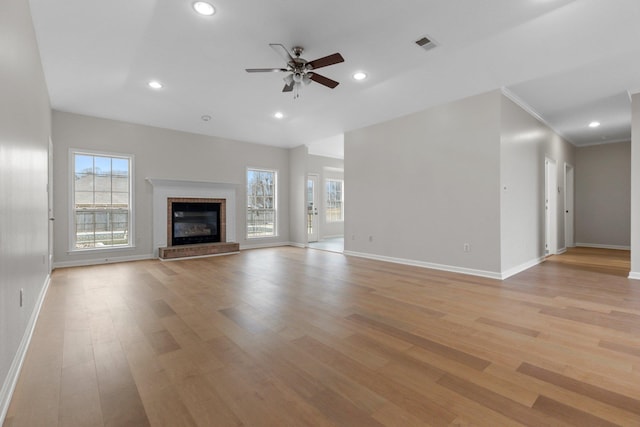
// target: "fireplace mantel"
[[164, 189], [164, 182]]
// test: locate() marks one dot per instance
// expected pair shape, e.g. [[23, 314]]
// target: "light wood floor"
[[294, 337]]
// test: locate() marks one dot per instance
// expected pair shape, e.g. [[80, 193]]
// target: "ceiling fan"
[[301, 71]]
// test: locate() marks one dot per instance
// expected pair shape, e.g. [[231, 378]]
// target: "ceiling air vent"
[[425, 43]]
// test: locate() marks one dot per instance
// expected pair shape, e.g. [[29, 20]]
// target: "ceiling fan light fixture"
[[298, 77], [306, 79], [203, 8]]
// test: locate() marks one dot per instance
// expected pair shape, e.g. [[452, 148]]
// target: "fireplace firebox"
[[195, 221]]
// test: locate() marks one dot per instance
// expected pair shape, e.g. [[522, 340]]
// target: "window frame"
[[327, 201], [275, 202], [72, 198]]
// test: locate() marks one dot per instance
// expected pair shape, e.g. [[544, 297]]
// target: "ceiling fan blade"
[[288, 87], [327, 60], [323, 80], [265, 70], [282, 51]]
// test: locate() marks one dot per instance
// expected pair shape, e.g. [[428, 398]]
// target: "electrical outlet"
[[466, 247]]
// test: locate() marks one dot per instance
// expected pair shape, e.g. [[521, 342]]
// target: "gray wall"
[[161, 153], [325, 168], [603, 195], [423, 185], [24, 137], [524, 144]]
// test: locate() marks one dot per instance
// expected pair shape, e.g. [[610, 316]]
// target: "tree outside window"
[[261, 203]]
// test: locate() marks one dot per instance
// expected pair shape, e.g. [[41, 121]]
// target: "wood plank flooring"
[[294, 337]]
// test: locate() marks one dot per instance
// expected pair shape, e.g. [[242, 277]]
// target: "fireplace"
[[194, 221], [166, 192]]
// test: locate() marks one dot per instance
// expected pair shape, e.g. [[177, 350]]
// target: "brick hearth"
[[202, 249]]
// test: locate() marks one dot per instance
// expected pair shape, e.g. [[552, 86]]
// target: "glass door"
[[312, 208]]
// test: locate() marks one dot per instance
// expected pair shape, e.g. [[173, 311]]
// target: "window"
[[261, 203], [335, 200], [101, 201]]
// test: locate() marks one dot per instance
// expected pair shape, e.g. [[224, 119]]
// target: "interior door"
[[312, 208], [568, 206]]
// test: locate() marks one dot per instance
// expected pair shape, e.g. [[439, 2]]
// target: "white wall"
[[423, 185], [326, 168], [25, 125], [297, 194], [160, 153], [603, 195], [524, 144]]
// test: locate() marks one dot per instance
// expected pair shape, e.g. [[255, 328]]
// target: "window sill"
[[106, 249]]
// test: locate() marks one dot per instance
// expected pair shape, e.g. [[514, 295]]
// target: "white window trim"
[[275, 203], [326, 207], [71, 192]]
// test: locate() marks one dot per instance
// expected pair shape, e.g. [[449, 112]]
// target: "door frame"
[[51, 217], [550, 206]]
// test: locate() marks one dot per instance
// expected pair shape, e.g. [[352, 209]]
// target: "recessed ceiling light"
[[360, 75], [594, 124], [278, 115], [204, 8], [154, 84], [205, 118]]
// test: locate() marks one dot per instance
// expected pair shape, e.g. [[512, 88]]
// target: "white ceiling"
[[570, 61]]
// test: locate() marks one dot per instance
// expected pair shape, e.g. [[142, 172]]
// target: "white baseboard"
[[634, 275], [105, 260], [599, 246], [522, 267], [111, 260], [266, 245], [298, 245], [433, 266], [14, 370], [561, 251]]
